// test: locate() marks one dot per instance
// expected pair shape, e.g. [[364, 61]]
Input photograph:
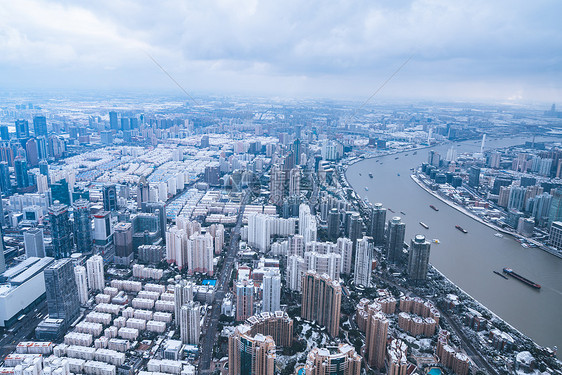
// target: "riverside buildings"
[[321, 301]]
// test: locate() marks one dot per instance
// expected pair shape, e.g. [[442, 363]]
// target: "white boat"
[[499, 235], [435, 240], [366, 188]]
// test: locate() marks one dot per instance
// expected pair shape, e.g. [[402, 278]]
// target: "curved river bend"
[[469, 259]]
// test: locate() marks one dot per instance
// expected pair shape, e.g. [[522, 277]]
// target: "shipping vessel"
[[433, 207], [517, 276], [424, 225], [371, 175], [461, 229]]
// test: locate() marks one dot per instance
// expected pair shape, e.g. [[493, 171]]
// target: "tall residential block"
[[190, 323], [82, 226], [377, 221], [271, 286], [96, 278], [395, 240], [81, 283], [418, 258], [244, 294], [321, 301], [363, 261], [376, 333], [340, 360], [250, 355]]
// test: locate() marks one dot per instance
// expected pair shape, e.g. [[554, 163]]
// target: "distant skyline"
[[500, 51]]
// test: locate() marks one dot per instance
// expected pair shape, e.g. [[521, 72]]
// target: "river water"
[[469, 259]]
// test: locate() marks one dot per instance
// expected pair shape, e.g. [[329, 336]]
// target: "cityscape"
[[263, 188]]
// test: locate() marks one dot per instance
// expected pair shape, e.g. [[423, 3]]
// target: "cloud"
[[290, 46]]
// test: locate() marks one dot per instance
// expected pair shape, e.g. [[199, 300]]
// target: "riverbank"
[[479, 219]]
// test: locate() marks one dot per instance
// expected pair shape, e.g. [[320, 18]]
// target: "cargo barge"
[[461, 229], [517, 276]]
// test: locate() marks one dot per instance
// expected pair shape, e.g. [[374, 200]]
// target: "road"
[[210, 334], [22, 330]]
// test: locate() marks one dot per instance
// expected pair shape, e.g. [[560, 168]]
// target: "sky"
[[499, 50]]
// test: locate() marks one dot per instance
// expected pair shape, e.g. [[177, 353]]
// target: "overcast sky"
[[481, 50]]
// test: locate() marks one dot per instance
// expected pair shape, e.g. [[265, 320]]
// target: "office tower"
[[395, 240], [244, 292], [200, 253], [418, 258], [4, 133], [106, 137], [33, 243], [113, 122], [190, 326], [276, 185], [376, 224], [363, 261], [321, 301], [516, 198], [82, 226], [376, 332], [42, 150], [61, 230], [2, 213], [109, 193], [345, 248], [62, 294], [143, 192], [205, 141], [250, 355], [183, 293], [271, 286], [32, 152], [103, 233], [333, 224], [22, 177], [159, 209], [123, 239], [22, 129], [474, 177], [96, 278], [81, 283], [295, 181], [44, 168], [340, 360], [354, 228], [5, 184], [555, 238], [555, 211], [2, 248], [212, 175], [176, 247], [40, 126]]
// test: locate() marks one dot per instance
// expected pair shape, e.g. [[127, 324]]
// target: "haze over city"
[[503, 51]]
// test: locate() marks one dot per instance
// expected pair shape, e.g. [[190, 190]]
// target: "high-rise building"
[[176, 247], [143, 192], [395, 240], [555, 238], [376, 332], [123, 239], [22, 177], [94, 268], [376, 224], [109, 194], [183, 294], [516, 198], [81, 283], [5, 184], [61, 230], [271, 286], [62, 294], [200, 254], [555, 212], [354, 227], [113, 121], [244, 292], [190, 323], [33, 243], [295, 181], [473, 176], [32, 152], [397, 362], [276, 185], [363, 261], [321, 301], [333, 224], [205, 141], [341, 360], [345, 248], [418, 258], [250, 355], [40, 126], [277, 324], [82, 226], [103, 233], [22, 129]]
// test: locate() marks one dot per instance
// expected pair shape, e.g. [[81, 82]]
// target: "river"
[[469, 259]]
